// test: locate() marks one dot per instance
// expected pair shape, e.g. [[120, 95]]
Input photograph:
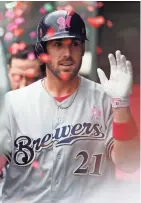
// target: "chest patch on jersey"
[[26, 147]]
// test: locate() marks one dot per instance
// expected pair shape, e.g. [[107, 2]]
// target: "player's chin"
[[66, 75]]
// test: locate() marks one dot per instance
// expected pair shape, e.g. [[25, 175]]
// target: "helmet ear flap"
[[39, 49]]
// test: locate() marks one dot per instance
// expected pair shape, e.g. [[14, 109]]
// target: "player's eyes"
[[73, 43], [76, 43], [58, 44]]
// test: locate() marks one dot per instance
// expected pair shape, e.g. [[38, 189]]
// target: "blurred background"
[[111, 26]]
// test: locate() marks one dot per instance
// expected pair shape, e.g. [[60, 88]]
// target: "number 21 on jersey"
[[85, 168]]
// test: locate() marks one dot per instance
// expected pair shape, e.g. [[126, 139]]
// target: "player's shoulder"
[[93, 90], [91, 85]]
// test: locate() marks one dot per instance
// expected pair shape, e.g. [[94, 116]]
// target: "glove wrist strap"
[[117, 103]]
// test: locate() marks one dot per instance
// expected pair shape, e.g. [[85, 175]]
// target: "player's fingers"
[[123, 63], [102, 76], [118, 57], [129, 68], [112, 62]]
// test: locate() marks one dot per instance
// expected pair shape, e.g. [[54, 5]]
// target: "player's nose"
[[67, 51], [23, 82]]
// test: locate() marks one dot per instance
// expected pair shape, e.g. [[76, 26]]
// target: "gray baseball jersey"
[[57, 155], [1, 185], [2, 179]]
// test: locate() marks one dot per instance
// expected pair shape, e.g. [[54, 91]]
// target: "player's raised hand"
[[119, 85]]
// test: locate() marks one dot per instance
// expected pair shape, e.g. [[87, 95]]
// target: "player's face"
[[23, 72], [66, 57]]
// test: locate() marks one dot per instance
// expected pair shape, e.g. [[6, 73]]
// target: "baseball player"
[[63, 135]]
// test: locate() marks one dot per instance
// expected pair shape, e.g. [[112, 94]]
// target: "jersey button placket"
[[59, 120], [60, 115], [57, 182]]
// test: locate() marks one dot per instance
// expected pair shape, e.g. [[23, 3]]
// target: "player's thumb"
[[101, 76]]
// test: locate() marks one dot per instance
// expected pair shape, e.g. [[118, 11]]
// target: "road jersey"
[[58, 152]]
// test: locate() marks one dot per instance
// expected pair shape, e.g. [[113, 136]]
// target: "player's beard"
[[57, 71]]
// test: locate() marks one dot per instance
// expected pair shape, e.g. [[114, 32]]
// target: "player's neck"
[[58, 88]]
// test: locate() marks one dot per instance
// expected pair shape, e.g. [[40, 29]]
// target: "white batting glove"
[[119, 86]]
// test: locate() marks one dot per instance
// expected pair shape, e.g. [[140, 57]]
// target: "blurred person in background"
[[24, 68]]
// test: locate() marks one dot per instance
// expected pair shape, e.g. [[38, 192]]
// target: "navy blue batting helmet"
[[59, 24]]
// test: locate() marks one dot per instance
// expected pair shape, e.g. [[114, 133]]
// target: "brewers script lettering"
[[26, 147]]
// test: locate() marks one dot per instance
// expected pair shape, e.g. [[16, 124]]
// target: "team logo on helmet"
[[64, 23]]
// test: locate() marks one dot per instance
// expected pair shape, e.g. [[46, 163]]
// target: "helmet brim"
[[64, 35]]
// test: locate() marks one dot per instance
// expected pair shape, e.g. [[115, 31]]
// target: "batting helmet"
[[59, 25]]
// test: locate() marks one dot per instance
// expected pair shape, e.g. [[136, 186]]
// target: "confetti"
[[35, 164], [96, 21], [50, 32], [23, 5], [30, 73], [8, 36], [65, 76], [44, 58], [109, 23], [19, 21], [32, 34], [1, 16], [67, 41], [31, 56], [69, 8], [42, 10], [100, 4], [48, 7], [19, 12], [18, 32], [40, 174], [19, 4], [22, 46], [96, 112], [99, 113], [14, 48], [9, 14], [11, 26], [90, 8], [99, 50]]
